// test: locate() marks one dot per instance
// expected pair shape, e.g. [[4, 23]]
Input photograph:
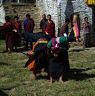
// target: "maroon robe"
[[64, 29], [9, 39], [50, 29], [17, 35]]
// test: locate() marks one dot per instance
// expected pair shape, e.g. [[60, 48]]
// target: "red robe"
[[9, 39], [17, 37], [64, 29], [50, 29], [17, 25]]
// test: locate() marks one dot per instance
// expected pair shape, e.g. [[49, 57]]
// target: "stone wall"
[[65, 9], [2, 15], [69, 7], [49, 7], [21, 10]]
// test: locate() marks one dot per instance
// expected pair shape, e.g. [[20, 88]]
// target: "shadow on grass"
[[77, 49], [79, 74], [3, 93], [6, 64], [40, 77], [20, 49]]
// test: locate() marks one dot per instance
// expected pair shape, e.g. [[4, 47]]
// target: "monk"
[[17, 31], [7, 28], [65, 27], [43, 23], [50, 29]]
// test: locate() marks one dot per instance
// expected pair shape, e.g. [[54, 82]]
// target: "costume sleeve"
[[63, 39], [49, 44]]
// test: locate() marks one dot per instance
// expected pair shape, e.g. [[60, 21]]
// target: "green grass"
[[15, 80]]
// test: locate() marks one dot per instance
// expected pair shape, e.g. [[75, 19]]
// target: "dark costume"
[[39, 54], [43, 24], [9, 39], [34, 37], [50, 29], [58, 61]]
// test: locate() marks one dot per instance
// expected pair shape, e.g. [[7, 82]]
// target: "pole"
[[18, 1]]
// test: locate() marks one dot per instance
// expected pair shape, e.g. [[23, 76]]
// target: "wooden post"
[[18, 1]]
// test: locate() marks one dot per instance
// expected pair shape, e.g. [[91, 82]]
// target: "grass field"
[[15, 80]]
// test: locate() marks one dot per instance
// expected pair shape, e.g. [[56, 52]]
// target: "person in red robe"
[[9, 39], [65, 27], [50, 29], [17, 31]]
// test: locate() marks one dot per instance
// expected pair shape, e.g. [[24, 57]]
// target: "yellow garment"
[[90, 2]]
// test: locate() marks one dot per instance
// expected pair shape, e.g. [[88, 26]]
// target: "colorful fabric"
[[38, 55], [90, 2], [74, 34], [76, 30], [56, 43]]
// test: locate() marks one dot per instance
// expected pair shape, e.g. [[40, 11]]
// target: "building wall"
[[49, 7], [21, 10], [71, 6], [65, 9], [2, 15]]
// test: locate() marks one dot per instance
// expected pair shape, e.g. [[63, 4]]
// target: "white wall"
[[2, 14], [65, 9], [49, 7], [70, 6]]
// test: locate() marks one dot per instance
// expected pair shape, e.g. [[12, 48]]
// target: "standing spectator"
[[86, 32], [7, 28], [28, 27], [65, 27], [43, 23], [17, 31], [50, 29]]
